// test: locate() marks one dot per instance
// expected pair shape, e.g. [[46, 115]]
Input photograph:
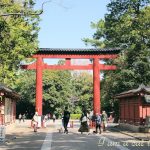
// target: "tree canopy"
[[18, 34], [126, 25], [60, 89]]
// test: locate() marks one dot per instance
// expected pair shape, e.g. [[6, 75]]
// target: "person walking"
[[54, 117], [20, 117], [104, 120], [84, 125], [62, 123], [66, 119], [23, 117], [98, 123], [35, 121], [45, 119]]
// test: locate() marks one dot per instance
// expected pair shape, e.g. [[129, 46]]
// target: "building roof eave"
[[8, 92], [140, 89], [78, 51]]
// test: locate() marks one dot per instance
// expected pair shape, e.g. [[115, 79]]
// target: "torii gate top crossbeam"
[[77, 53], [69, 54]]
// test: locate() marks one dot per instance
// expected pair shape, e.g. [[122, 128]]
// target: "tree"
[[25, 86], [18, 36], [126, 25], [60, 89], [56, 91], [82, 91]]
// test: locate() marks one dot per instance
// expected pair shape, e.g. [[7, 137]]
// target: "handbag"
[[84, 119]]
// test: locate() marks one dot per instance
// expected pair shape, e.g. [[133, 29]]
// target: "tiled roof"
[[141, 88], [8, 92], [82, 51]]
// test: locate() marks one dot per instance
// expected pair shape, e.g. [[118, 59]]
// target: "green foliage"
[[18, 36], [83, 91], [126, 25], [25, 86], [57, 90], [75, 116], [60, 89]]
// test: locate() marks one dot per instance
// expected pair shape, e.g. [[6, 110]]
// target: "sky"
[[64, 23]]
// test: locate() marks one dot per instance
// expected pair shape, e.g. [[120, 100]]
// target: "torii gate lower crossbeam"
[[39, 66]]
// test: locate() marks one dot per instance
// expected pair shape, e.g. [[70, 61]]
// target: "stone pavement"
[[25, 128], [15, 130], [136, 135], [21, 136]]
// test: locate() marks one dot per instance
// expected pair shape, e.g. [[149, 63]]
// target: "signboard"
[[147, 98]]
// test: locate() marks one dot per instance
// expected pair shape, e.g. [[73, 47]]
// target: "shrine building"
[[8, 99], [134, 107]]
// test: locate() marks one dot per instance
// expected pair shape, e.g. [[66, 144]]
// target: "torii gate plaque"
[[68, 54]]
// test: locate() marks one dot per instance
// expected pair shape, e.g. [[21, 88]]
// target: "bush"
[[75, 116]]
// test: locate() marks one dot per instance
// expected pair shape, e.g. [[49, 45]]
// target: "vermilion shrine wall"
[[133, 110]]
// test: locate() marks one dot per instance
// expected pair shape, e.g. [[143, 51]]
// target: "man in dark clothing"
[[66, 119]]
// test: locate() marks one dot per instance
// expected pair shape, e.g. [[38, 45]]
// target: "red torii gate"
[[68, 54]]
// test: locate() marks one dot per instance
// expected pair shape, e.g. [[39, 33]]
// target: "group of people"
[[65, 120], [100, 121]]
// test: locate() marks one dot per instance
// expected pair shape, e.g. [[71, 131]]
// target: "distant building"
[[8, 100]]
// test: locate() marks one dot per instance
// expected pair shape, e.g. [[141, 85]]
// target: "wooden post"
[[39, 85], [96, 86]]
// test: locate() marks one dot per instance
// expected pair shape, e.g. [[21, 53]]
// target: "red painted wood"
[[68, 66], [100, 56], [133, 111], [30, 66], [39, 85], [96, 84], [107, 67], [68, 62]]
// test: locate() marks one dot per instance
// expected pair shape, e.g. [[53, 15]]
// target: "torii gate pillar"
[[96, 86], [39, 69]]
